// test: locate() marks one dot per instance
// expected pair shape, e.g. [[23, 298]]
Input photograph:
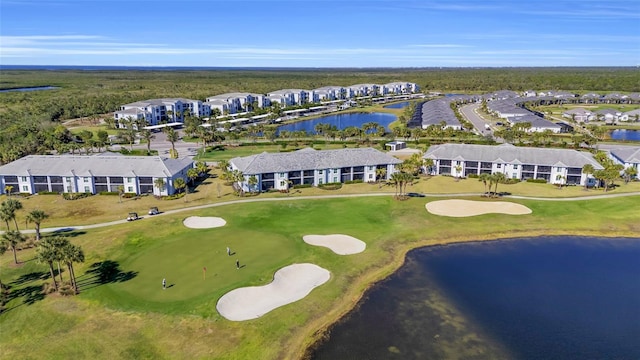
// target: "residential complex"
[[557, 166], [155, 111], [93, 174], [171, 110], [628, 157], [280, 171]]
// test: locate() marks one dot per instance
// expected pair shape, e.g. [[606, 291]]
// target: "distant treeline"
[[26, 118]]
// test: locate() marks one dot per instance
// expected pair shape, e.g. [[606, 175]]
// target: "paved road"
[[63, 229], [469, 112]]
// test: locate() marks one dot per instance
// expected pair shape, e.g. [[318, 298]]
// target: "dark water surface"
[[629, 135], [341, 121], [535, 298], [34, 88]]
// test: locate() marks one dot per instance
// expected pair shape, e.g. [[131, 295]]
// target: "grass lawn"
[[128, 315]]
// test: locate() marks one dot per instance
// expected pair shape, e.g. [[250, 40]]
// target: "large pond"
[[341, 121], [628, 135], [35, 88], [538, 298]]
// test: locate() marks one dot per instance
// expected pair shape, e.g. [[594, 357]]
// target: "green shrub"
[[473, 176], [48, 193], [537, 181], [330, 186], [75, 196], [173, 197], [129, 195], [108, 193], [353, 182], [302, 186]]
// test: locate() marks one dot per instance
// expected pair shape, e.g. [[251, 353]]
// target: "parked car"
[[132, 216], [413, 194], [154, 211]]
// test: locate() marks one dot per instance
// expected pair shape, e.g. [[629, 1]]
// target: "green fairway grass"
[[133, 317]]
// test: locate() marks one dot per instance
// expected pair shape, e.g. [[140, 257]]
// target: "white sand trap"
[[463, 208], [198, 222], [290, 284], [339, 244]]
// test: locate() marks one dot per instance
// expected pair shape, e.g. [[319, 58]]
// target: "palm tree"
[[497, 179], [559, 179], [238, 177], [223, 165], [629, 173], [172, 137], [6, 216], [179, 184], [37, 217], [147, 135], [381, 173], [10, 206], [11, 240], [485, 178], [160, 184], [72, 253], [587, 169], [253, 181], [120, 193], [192, 175], [201, 167], [396, 179], [49, 250], [458, 169], [428, 163], [407, 178]]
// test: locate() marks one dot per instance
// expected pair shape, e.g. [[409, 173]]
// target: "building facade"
[[280, 171], [627, 157], [93, 174], [556, 166]]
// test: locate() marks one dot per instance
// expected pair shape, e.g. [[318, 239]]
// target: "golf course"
[[122, 310]]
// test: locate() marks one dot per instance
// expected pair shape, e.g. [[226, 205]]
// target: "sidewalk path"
[[241, 201]]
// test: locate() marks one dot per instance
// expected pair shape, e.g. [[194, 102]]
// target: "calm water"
[[35, 88], [399, 105], [341, 121], [543, 298], [629, 135]]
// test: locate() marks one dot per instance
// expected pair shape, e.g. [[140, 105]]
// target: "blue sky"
[[302, 33]]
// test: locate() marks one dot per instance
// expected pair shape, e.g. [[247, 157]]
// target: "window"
[[130, 189], [498, 166], [515, 166], [335, 179], [25, 188], [86, 179], [68, 179], [319, 181], [281, 174], [320, 172], [558, 169], [86, 189], [130, 179], [282, 182], [514, 176], [335, 171], [370, 176], [24, 178], [370, 167]]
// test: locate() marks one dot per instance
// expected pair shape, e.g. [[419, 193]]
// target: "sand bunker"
[[339, 244], [197, 222], [290, 284], [463, 208]]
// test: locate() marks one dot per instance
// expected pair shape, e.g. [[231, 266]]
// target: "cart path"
[[241, 201]]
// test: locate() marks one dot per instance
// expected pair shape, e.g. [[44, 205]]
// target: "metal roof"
[[512, 154], [309, 159], [87, 165], [629, 155]]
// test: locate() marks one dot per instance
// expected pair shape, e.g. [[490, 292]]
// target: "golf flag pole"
[[204, 273]]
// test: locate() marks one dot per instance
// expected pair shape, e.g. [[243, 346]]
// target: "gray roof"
[[535, 121], [309, 159], [628, 154], [507, 153], [83, 165], [436, 111]]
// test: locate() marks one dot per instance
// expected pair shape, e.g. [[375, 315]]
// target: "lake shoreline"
[[317, 337]]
